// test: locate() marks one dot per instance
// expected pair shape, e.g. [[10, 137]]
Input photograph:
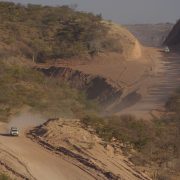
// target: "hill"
[[42, 32], [54, 61], [173, 39], [32, 35], [24, 87]]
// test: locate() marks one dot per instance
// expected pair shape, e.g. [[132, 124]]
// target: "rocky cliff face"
[[95, 87], [173, 39]]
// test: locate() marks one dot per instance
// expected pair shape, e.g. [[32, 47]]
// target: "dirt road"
[[165, 81], [25, 159], [31, 160]]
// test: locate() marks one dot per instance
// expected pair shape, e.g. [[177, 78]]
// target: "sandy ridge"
[[93, 161]]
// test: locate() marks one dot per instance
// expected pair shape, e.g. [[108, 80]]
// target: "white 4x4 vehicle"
[[14, 131], [166, 49]]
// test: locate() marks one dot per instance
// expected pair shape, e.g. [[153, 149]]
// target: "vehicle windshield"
[[14, 129]]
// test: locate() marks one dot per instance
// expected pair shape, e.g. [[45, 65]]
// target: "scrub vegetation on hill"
[[43, 32], [20, 86], [156, 143]]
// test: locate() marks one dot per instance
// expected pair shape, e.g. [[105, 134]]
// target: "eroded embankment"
[[95, 87], [80, 146]]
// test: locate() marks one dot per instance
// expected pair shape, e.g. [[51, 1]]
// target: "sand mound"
[[130, 46]]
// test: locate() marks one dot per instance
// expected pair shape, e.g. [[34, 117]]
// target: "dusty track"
[[163, 83], [27, 159]]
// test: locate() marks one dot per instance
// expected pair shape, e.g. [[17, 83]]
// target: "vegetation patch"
[[173, 104], [43, 32], [126, 129], [20, 86], [4, 177], [153, 144]]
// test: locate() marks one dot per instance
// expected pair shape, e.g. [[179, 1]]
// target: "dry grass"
[[22, 86], [155, 145]]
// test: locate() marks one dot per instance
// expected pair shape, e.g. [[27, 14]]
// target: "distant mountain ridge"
[[150, 34]]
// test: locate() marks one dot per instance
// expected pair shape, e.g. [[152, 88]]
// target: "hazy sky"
[[124, 11]]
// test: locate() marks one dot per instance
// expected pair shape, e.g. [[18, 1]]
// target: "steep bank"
[[95, 87], [23, 87], [116, 82]]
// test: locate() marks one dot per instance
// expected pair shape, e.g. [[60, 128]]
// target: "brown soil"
[[82, 147], [24, 159], [65, 150]]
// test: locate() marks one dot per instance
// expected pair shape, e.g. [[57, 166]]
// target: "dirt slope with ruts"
[[68, 139], [24, 159]]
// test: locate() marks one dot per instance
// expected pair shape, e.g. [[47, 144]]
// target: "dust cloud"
[[26, 120]]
